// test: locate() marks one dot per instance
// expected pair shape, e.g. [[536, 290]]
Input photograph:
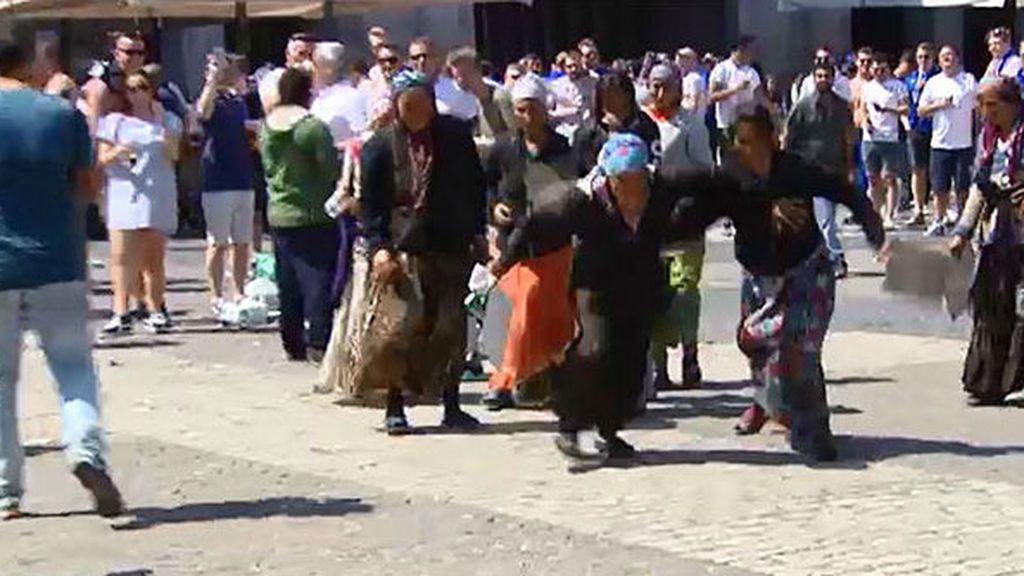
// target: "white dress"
[[143, 194]]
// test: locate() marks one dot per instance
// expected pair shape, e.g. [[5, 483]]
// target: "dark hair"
[[927, 47], [882, 58], [760, 118], [296, 88], [908, 56], [822, 65], [619, 80], [13, 58], [425, 41], [1001, 32], [302, 37], [745, 41]]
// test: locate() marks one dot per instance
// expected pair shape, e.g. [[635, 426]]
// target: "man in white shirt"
[[1004, 62], [462, 92], [338, 104], [883, 101], [574, 95], [695, 89], [734, 83], [841, 84], [423, 58], [298, 53], [949, 99]]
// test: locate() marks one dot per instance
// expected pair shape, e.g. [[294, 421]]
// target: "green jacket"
[[302, 168]]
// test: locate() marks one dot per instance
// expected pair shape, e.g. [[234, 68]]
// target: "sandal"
[[10, 512], [751, 421]]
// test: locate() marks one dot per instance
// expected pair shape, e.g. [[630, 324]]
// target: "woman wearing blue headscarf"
[[618, 217]]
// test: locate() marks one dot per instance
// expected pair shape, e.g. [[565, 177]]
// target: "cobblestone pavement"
[[234, 467]]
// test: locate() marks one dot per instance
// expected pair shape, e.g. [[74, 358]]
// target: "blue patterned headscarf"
[[407, 79], [624, 152]]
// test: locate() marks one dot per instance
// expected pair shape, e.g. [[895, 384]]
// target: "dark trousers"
[[603, 374], [305, 260]]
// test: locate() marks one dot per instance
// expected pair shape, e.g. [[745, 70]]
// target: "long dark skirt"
[[994, 361], [602, 376]]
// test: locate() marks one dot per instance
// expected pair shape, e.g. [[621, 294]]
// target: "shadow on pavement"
[[129, 342], [855, 453], [845, 380], [291, 507], [878, 448]]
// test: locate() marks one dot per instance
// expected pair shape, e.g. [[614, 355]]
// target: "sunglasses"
[[132, 51], [924, 56], [388, 60], [137, 89], [418, 57]]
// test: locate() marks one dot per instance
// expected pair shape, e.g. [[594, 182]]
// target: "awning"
[[217, 9], [827, 4]]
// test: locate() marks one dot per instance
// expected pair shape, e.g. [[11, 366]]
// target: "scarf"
[[989, 144]]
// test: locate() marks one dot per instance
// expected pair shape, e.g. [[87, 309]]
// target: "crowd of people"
[[582, 191]]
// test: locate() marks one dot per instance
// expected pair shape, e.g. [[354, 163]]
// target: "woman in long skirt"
[[995, 361]]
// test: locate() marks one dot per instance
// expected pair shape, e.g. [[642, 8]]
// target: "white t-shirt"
[[1008, 67], [884, 126], [142, 193], [841, 87], [729, 74], [696, 90], [951, 127], [454, 101], [344, 110]]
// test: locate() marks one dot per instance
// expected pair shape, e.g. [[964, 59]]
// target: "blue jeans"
[[825, 214], [58, 313]]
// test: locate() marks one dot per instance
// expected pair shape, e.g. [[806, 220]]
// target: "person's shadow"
[[855, 453], [291, 507]]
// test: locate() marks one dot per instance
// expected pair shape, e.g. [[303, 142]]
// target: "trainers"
[[217, 308], [693, 377], [457, 419], [841, 269], [105, 495], [167, 316], [917, 221], [156, 323], [118, 324], [936, 230], [497, 400]]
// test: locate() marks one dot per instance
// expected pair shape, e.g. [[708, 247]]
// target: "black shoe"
[[316, 355], [693, 378], [297, 356], [457, 419], [568, 443], [663, 383], [167, 315], [397, 425], [616, 448], [105, 495], [497, 400]]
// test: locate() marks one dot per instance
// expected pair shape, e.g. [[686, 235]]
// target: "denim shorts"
[[887, 157], [951, 170], [920, 149]]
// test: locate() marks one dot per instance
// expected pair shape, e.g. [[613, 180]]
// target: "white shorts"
[[229, 216]]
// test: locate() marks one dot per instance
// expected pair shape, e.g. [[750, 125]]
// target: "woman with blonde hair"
[[137, 149]]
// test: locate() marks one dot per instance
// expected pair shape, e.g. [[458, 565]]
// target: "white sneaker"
[[157, 322], [118, 325], [217, 308], [936, 230]]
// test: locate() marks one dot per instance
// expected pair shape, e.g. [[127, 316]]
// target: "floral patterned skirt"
[[784, 322]]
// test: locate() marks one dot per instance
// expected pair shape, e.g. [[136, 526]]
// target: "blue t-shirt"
[[917, 123], [42, 231], [227, 160]]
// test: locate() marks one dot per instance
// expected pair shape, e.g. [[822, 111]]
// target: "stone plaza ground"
[[231, 465]]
